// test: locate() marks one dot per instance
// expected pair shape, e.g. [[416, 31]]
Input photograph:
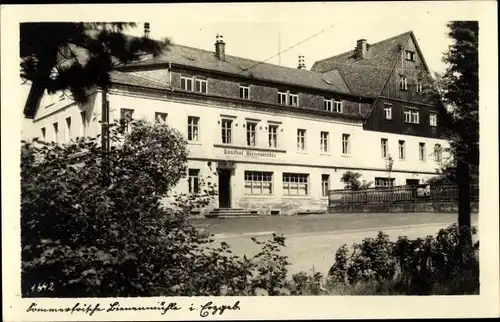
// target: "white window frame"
[[259, 183], [301, 139], [411, 115], [328, 104], [346, 144], [251, 130], [293, 99], [295, 182], [388, 111], [126, 116], [415, 117], [282, 98], [325, 184], [433, 119], [194, 180], [161, 117], [337, 106], [410, 55], [401, 150], [273, 135], [324, 141], [187, 80], [245, 92], [68, 128], [227, 131], [403, 82], [193, 128], [438, 153], [418, 86], [384, 146], [421, 151], [384, 182], [202, 83]]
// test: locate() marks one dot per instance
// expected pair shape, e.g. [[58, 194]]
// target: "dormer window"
[[410, 55], [197, 83], [332, 105], [288, 98]]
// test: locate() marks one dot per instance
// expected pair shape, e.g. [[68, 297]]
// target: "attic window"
[[410, 55], [327, 81]]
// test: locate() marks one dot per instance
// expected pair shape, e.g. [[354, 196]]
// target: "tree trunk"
[[463, 180], [34, 98]]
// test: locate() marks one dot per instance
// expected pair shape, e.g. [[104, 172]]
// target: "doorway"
[[224, 188]]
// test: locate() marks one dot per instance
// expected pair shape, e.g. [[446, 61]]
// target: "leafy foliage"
[[413, 266], [130, 236], [76, 56], [351, 181]]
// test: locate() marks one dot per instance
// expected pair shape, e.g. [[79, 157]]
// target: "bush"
[[94, 225], [433, 265]]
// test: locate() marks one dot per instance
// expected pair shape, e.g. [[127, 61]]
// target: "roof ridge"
[[370, 44]]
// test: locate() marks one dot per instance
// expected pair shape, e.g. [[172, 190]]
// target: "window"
[[324, 141], [388, 112], [384, 147], [403, 83], [293, 100], [410, 55], [68, 128], [193, 128], [251, 133], [244, 92], [161, 117], [201, 84], [282, 98], [328, 105], [421, 151], [438, 152], [401, 149], [125, 119], [301, 139], [433, 119], [337, 106], [332, 105], [411, 116], [56, 131], [258, 183], [44, 133], [273, 136], [288, 98], [346, 146], [227, 126], [187, 83], [418, 86], [84, 121], [194, 180], [384, 182], [295, 184], [325, 179]]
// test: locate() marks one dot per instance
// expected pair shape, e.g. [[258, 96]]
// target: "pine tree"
[[76, 56]]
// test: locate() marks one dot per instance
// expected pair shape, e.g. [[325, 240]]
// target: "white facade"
[[312, 164]]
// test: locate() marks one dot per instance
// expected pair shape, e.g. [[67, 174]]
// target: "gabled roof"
[[237, 66], [367, 76]]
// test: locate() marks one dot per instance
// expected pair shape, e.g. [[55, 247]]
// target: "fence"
[[398, 195]]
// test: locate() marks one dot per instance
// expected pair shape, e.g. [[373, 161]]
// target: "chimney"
[[302, 63], [146, 30], [361, 48], [220, 48]]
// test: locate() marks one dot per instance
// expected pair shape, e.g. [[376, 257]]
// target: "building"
[[279, 138]]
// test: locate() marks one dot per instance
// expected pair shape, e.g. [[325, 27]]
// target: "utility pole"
[[105, 135]]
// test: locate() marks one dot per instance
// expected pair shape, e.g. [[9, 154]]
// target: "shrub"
[[431, 265], [351, 181], [96, 225]]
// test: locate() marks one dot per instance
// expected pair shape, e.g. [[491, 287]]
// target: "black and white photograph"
[[200, 159]]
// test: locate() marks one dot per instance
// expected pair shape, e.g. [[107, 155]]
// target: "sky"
[[334, 28]]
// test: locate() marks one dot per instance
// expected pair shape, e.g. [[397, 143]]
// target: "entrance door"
[[224, 188]]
